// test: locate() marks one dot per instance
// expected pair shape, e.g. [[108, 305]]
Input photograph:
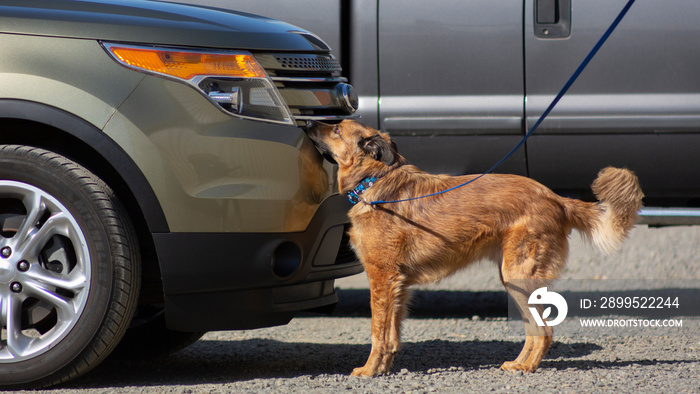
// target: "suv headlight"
[[234, 80]]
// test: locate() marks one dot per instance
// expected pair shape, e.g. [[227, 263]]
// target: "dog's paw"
[[364, 372], [514, 367]]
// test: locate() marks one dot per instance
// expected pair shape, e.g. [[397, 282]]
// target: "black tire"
[[68, 299]]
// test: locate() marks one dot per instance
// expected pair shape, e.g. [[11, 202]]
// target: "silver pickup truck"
[[457, 83]]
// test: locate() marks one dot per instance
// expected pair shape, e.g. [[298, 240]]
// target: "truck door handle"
[[552, 18]]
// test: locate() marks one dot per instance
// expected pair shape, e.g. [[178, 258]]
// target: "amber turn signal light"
[[187, 65]]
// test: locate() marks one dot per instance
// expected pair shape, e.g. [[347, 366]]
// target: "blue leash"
[[562, 92]]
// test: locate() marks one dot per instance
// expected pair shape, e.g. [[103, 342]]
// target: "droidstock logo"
[[543, 297]]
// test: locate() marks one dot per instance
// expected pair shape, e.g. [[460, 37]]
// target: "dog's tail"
[[608, 222]]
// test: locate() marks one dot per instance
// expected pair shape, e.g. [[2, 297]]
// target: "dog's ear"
[[379, 149]]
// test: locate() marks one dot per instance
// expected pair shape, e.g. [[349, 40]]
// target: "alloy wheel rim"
[[44, 271]]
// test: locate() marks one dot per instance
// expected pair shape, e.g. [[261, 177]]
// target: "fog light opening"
[[286, 259]]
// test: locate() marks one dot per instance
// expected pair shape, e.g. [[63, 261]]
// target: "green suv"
[[156, 181]]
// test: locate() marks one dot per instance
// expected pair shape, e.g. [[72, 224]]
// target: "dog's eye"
[[336, 130]]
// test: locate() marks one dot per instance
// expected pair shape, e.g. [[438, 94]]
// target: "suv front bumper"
[[250, 280]]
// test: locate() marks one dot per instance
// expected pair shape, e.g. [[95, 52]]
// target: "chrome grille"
[[311, 84]]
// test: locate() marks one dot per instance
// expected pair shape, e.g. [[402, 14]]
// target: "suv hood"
[[153, 22]]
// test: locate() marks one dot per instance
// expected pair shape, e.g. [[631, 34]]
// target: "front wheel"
[[69, 268]]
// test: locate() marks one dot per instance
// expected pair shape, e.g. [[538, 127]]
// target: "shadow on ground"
[[217, 362], [430, 304]]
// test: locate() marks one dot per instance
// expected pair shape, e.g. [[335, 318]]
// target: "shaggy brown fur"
[[517, 222]]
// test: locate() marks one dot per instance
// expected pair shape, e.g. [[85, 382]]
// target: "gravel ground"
[[454, 341]]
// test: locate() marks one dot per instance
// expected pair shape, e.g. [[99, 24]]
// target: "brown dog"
[[517, 222]]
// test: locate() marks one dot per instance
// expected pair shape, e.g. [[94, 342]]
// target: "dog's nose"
[[310, 123]]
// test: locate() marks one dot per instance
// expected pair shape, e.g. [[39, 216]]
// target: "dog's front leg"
[[388, 298]]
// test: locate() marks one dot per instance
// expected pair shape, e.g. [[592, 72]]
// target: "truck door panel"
[[637, 104], [451, 82]]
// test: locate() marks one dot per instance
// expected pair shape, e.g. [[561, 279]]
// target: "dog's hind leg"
[[388, 301], [530, 260], [537, 339]]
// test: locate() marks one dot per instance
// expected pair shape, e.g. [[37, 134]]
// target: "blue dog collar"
[[354, 194]]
